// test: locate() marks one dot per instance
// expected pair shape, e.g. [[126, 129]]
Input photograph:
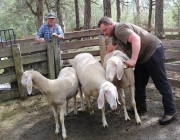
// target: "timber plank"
[[80, 34], [173, 67], [5, 52], [172, 54], [171, 43], [79, 44], [33, 58], [7, 78], [9, 95], [6, 63], [72, 55], [34, 47]]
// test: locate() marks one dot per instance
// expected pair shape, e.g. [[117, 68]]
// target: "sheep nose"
[[114, 107], [108, 79]]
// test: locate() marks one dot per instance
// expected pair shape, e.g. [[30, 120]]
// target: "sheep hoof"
[[105, 126], [138, 123], [91, 112], [128, 120], [56, 133], [64, 137], [75, 113]]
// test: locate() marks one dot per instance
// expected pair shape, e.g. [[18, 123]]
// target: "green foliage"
[[15, 14], [176, 14]]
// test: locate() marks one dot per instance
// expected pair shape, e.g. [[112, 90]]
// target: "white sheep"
[[57, 91], [91, 76], [121, 77]]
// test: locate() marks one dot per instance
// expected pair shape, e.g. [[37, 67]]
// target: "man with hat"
[[46, 31]]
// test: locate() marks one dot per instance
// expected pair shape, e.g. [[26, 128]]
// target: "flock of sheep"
[[87, 75]]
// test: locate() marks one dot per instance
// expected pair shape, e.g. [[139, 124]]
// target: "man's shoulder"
[[43, 26], [121, 26], [57, 24]]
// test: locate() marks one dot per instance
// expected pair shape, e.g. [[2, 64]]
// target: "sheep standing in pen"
[[91, 76], [121, 77], [57, 91]]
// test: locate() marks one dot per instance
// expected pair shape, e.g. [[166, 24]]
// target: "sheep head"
[[114, 66], [109, 92], [26, 81]]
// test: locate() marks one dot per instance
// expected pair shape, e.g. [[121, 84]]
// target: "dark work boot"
[[167, 119]]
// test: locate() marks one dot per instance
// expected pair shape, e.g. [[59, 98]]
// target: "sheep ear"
[[101, 99], [29, 85], [117, 97], [120, 70]]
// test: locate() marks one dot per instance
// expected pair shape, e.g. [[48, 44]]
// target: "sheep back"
[[90, 73]]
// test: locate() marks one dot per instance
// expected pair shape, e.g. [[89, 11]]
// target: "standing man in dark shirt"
[[146, 55]]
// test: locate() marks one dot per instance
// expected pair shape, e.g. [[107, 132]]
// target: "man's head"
[[106, 25], [51, 18]]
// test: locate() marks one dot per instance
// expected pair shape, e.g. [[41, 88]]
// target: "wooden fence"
[[44, 58]]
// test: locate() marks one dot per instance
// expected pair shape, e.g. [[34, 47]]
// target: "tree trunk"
[[137, 20], [107, 8], [159, 30], [59, 14], [150, 15], [77, 15], [40, 14], [87, 14], [118, 10]]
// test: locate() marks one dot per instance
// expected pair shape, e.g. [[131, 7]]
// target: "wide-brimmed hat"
[[51, 15]]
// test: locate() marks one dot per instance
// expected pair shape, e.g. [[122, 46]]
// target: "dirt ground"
[[33, 119]]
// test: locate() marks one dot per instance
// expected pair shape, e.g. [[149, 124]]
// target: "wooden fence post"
[[19, 69], [50, 61], [56, 55], [102, 45]]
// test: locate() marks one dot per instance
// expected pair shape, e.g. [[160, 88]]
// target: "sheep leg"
[[62, 118], [66, 111], [122, 96], [81, 96], [138, 121], [56, 119], [91, 111], [75, 105], [104, 117]]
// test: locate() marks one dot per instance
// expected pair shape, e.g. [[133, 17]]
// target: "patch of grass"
[[12, 108]]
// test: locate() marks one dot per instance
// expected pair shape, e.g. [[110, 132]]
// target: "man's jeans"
[[154, 68]]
